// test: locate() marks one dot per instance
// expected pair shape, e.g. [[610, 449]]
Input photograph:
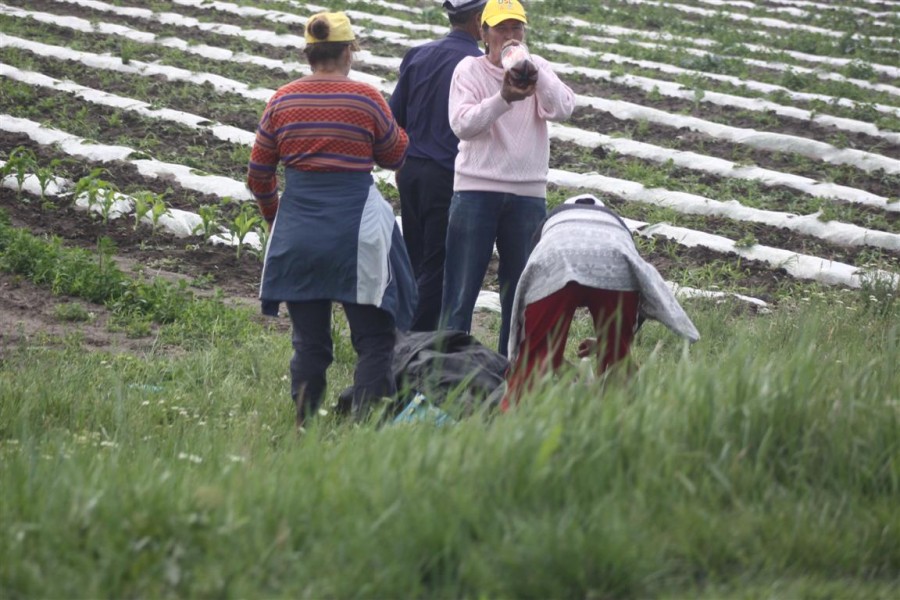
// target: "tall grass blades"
[[765, 456]]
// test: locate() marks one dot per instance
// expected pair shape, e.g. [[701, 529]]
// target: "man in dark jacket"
[[425, 182]]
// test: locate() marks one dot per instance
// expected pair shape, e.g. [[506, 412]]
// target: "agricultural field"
[[753, 147]]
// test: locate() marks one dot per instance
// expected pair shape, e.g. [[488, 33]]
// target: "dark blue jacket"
[[419, 101]]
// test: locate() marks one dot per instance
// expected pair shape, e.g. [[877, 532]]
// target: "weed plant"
[[93, 276]]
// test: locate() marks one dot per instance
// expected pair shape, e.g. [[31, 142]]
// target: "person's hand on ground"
[[587, 347]]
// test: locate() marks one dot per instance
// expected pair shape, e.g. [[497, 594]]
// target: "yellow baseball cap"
[[339, 29], [496, 11]]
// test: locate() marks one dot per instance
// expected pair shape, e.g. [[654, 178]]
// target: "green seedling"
[[45, 175], [21, 162], [72, 312], [699, 94], [157, 210], [107, 199], [209, 216], [127, 51], [98, 191], [143, 202], [264, 233], [246, 220], [747, 241]]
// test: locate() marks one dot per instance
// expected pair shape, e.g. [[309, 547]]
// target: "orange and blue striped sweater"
[[322, 125]]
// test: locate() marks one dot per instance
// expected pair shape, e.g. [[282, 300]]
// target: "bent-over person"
[[585, 257]]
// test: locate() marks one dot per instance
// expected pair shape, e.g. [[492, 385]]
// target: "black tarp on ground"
[[443, 365]]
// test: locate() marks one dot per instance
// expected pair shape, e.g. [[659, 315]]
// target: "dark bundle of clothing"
[[446, 367]]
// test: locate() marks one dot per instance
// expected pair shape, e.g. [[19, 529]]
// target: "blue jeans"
[[477, 220]]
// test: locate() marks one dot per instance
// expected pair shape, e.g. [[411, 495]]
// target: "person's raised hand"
[[511, 90]]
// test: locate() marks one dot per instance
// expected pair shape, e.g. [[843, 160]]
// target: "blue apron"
[[335, 238]]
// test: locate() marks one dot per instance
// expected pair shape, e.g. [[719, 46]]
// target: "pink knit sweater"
[[504, 147]]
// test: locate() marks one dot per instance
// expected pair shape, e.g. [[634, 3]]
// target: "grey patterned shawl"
[[590, 245]]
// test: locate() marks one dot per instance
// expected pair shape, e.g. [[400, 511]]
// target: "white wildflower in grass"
[[237, 458], [145, 403], [190, 457], [108, 444]]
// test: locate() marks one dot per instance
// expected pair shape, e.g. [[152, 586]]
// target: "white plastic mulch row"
[[626, 182], [793, 8], [589, 139], [663, 87], [183, 223], [721, 167], [223, 132], [618, 31], [833, 232], [632, 34], [842, 234], [619, 109], [761, 140], [186, 176], [762, 64], [788, 7], [797, 265], [180, 223], [732, 100], [761, 21], [676, 90]]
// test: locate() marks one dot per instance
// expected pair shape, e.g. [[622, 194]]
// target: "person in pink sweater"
[[500, 185]]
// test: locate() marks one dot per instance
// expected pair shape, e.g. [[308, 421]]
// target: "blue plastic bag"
[[420, 411]]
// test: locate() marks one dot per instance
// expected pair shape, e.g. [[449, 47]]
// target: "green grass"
[[762, 461]]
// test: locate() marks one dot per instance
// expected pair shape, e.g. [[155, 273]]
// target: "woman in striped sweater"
[[333, 236]]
